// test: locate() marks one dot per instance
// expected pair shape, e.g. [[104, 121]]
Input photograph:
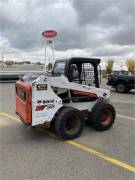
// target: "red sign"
[[49, 34]]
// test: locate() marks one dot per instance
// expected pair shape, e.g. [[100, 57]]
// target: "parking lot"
[[30, 154]]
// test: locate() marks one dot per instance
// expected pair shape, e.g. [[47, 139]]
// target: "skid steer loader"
[[65, 99]]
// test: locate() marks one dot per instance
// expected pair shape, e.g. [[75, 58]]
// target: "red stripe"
[[75, 92]]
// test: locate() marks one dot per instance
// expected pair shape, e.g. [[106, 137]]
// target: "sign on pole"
[[49, 36]]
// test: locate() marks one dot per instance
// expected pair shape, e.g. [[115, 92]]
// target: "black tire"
[[103, 116], [121, 87], [69, 123]]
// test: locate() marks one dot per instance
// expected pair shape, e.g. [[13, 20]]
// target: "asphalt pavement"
[[32, 154]]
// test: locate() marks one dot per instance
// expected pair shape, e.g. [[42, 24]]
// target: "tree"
[[9, 63], [130, 63], [19, 62], [49, 66], [38, 63], [109, 66]]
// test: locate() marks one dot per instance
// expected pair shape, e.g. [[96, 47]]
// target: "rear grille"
[[21, 93]]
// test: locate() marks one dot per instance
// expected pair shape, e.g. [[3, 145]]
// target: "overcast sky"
[[94, 28]]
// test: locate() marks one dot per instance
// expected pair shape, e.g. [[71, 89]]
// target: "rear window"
[[59, 68], [83, 73]]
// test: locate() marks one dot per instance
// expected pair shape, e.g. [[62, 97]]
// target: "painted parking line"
[[16, 119], [9, 116], [102, 156], [84, 148], [3, 123], [125, 117]]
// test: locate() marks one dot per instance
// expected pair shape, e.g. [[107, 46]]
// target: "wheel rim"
[[106, 117], [72, 125], [120, 88]]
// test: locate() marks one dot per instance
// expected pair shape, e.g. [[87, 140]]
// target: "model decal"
[[50, 106]]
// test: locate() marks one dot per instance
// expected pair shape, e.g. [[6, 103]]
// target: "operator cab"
[[78, 70]]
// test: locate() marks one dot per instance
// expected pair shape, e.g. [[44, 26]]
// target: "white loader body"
[[46, 103]]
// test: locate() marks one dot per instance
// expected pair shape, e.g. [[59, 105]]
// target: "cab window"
[[59, 68]]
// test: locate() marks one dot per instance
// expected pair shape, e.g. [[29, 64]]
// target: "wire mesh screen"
[[87, 74], [83, 73], [75, 74]]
